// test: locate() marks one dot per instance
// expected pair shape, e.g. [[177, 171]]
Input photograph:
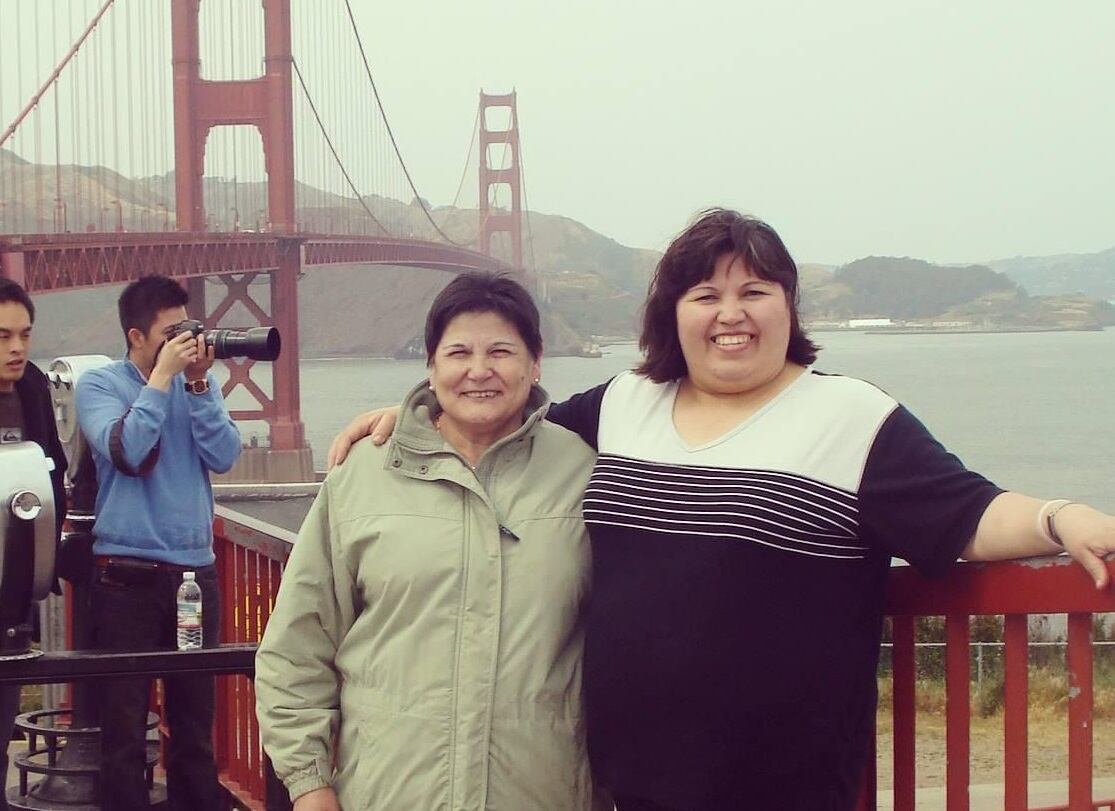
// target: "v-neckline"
[[670, 401]]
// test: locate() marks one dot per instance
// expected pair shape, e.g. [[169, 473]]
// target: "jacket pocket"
[[389, 759]]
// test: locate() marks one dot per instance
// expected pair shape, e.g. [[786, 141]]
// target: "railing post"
[[254, 629], [1079, 662], [1016, 665], [224, 715], [238, 735], [903, 683], [957, 712]]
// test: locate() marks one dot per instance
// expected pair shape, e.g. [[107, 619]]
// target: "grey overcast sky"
[[951, 131]]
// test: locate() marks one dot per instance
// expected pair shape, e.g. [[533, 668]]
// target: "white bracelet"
[[1046, 528]]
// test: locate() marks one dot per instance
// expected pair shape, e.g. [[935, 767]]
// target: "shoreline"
[[973, 330]]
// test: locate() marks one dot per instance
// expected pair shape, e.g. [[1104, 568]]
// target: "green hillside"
[[588, 283]]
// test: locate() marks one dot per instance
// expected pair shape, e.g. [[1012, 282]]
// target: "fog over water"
[[1031, 411]]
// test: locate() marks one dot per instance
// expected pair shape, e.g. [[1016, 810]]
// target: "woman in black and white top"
[[743, 512]]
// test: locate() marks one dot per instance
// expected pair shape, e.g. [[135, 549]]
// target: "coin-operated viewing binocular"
[[81, 476], [27, 530], [75, 553]]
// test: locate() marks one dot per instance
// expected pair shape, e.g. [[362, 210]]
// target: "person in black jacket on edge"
[[26, 415]]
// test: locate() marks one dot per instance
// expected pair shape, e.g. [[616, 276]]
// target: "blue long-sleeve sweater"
[[164, 513]]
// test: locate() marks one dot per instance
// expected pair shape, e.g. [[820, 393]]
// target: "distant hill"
[[907, 289], [589, 284], [345, 311], [913, 288], [1091, 274]]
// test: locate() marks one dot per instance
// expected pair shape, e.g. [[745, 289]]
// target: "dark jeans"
[[136, 612]]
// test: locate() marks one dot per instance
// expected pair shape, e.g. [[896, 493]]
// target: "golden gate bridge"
[[255, 149], [217, 141]]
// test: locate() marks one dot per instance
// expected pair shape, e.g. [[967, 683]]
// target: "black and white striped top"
[[780, 510], [738, 585]]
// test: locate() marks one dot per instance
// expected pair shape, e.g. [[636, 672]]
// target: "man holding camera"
[[26, 415], [157, 426]]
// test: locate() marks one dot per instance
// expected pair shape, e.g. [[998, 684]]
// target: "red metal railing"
[[251, 554], [1015, 589], [250, 558]]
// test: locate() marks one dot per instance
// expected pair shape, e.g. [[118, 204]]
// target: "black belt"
[[139, 565]]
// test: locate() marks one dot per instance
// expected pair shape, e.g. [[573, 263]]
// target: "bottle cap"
[[187, 575]]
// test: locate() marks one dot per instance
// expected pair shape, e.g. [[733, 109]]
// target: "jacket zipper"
[[457, 662]]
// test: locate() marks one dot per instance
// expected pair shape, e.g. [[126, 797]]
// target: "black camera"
[[257, 343]]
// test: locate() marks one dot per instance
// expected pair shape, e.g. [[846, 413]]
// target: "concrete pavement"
[[1043, 793]]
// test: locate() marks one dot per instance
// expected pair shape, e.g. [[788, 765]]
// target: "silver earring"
[[537, 379]]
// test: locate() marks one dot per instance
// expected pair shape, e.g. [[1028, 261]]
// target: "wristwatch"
[[197, 386]]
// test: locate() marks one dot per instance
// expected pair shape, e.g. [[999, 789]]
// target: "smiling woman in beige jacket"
[[425, 648]]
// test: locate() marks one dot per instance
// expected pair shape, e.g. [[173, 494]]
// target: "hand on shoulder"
[[379, 424]]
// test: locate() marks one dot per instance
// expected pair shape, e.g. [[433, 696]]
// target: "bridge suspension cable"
[[86, 149], [88, 145], [526, 209], [391, 135], [455, 207], [332, 149], [468, 157], [34, 102]]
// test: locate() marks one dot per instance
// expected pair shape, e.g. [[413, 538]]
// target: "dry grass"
[[1048, 732]]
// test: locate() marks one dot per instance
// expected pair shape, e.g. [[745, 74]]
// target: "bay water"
[[1035, 412]]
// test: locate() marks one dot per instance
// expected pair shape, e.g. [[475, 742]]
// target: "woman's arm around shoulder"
[[379, 424], [580, 414]]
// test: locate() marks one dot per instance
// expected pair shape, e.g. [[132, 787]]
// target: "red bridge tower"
[[508, 175], [266, 103]]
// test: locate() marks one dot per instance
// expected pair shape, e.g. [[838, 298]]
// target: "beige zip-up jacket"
[[425, 647]]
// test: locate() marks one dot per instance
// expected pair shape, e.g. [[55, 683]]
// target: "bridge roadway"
[[53, 262]]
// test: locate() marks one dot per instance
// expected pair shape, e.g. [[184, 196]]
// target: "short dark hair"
[[484, 292], [11, 290], [691, 258], [143, 300]]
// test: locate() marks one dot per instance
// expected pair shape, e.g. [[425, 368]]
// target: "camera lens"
[[258, 343]]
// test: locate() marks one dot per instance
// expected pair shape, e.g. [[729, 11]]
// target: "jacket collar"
[[33, 391], [32, 380]]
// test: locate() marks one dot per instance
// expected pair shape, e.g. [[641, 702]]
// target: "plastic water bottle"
[[189, 613]]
